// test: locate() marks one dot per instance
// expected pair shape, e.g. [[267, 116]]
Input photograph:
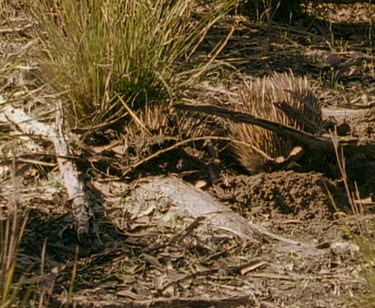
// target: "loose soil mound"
[[288, 192]]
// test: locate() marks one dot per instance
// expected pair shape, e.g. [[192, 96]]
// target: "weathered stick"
[[311, 141], [307, 139], [189, 201], [69, 174]]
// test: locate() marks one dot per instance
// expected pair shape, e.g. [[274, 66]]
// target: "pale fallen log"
[[342, 114], [189, 201], [74, 185]]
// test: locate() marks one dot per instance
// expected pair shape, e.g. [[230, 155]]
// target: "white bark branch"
[[69, 174], [173, 192]]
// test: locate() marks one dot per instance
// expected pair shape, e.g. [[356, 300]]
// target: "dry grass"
[[365, 233], [93, 56], [99, 50], [11, 231], [367, 254], [12, 225]]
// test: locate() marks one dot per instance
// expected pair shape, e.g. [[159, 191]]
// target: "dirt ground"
[[143, 259]]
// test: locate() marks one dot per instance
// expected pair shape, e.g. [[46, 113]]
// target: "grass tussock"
[[367, 253], [365, 238], [365, 242], [12, 225], [11, 231], [100, 50]]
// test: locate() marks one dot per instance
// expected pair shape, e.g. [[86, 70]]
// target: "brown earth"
[[138, 261]]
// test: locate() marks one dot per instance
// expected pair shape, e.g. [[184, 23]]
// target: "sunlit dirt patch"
[[362, 12]]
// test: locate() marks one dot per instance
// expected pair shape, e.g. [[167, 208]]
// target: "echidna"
[[162, 120], [255, 147]]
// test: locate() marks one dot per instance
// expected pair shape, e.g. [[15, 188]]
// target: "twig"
[[189, 276], [177, 237], [176, 302], [16, 29], [309, 140], [185, 232], [215, 52], [242, 117], [73, 183], [170, 148]]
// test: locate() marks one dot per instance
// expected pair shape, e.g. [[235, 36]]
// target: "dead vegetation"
[[227, 239]]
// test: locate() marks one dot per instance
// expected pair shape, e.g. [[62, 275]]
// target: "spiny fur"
[[162, 120], [257, 98]]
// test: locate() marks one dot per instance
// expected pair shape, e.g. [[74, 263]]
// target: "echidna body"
[[160, 120], [255, 146]]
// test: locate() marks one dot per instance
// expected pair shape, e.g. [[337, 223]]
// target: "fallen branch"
[[74, 185], [242, 117], [232, 301], [313, 142], [16, 29], [191, 202]]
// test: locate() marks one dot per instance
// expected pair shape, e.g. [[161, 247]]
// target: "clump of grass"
[[365, 239], [365, 242], [367, 253], [11, 231], [12, 225], [100, 50]]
